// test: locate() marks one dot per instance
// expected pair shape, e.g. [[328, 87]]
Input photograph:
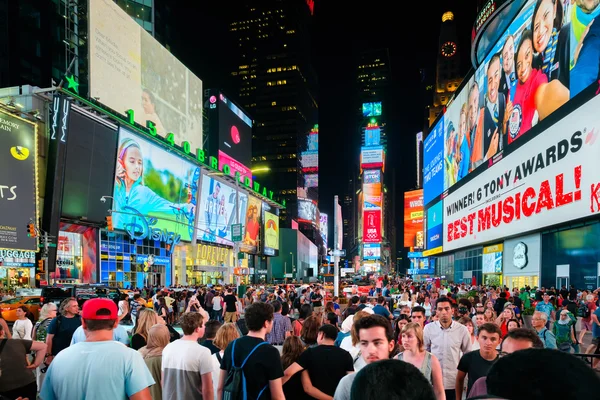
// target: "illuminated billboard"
[[371, 251], [372, 136], [154, 189], [217, 211], [371, 157], [542, 60], [372, 226], [235, 137], [308, 180], [251, 226], [324, 227], [413, 219], [434, 226], [433, 162], [129, 69], [372, 176], [307, 211], [372, 195], [18, 188], [551, 179], [271, 227], [372, 109]]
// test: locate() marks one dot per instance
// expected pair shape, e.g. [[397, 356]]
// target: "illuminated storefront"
[[492, 265], [522, 261], [133, 263], [212, 264], [17, 268]]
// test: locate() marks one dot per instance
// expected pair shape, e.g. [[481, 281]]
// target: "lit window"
[[273, 103]]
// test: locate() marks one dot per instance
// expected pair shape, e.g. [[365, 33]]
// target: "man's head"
[[536, 371], [508, 54], [520, 339], [473, 104], [212, 327], [69, 307], [192, 324], [354, 300], [546, 297], [493, 78], [99, 314], [417, 315], [376, 338], [391, 379], [539, 319], [276, 306], [443, 308], [327, 334], [259, 316], [381, 300], [479, 319], [587, 6], [489, 337], [363, 299]]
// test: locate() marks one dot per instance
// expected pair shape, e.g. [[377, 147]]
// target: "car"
[[9, 307]]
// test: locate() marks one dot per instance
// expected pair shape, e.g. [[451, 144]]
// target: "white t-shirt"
[[22, 329], [183, 364], [354, 351], [216, 371], [96, 371], [217, 303]]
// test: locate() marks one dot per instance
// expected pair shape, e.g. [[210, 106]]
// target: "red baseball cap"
[[92, 306]]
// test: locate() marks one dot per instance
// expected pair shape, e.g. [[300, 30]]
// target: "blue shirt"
[[595, 326], [119, 335], [547, 338], [381, 310], [545, 308], [96, 371]]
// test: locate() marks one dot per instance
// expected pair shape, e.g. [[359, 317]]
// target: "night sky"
[[339, 28]]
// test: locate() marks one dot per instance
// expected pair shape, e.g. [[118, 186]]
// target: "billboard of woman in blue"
[[154, 185]]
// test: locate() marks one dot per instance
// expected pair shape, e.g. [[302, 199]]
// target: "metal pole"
[[237, 221], [336, 245]]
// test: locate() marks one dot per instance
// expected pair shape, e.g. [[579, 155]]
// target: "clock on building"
[[449, 49]]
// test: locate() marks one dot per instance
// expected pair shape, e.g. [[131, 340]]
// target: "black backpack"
[[584, 311], [235, 384]]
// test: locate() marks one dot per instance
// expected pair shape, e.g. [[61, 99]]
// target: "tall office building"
[[448, 76], [348, 217], [276, 83]]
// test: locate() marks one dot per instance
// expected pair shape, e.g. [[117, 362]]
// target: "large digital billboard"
[[372, 109], [235, 137], [129, 69], [307, 211], [433, 162], [18, 183], [217, 211], [372, 176], [251, 228], [372, 226], [434, 226], [371, 157], [308, 184], [551, 179], [371, 251], [372, 195], [154, 189], [413, 219], [324, 227], [271, 226], [547, 56]]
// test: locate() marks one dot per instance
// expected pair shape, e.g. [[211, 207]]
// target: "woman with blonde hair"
[[226, 334], [504, 317], [147, 318], [414, 353], [158, 339]]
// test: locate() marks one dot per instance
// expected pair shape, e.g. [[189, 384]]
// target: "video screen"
[[371, 109], [433, 162], [154, 189], [235, 138], [271, 226], [129, 69], [307, 211]]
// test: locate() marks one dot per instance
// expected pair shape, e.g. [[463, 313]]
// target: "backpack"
[[584, 311], [235, 384]]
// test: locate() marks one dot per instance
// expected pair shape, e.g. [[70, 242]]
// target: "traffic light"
[[109, 224], [40, 265], [31, 230]]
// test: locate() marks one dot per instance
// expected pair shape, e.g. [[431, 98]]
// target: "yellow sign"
[[271, 231], [431, 252], [416, 214], [497, 248], [214, 255]]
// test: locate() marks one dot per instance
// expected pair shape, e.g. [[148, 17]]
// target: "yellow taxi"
[[9, 307]]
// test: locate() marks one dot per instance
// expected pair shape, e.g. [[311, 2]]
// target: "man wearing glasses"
[[539, 322]]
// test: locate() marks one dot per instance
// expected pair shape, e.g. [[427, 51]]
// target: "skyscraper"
[[448, 76], [276, 83]]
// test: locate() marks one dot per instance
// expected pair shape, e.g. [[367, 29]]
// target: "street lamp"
[[261, 169]]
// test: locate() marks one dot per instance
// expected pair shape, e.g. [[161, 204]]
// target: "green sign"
[[198, 155], [236, 232]]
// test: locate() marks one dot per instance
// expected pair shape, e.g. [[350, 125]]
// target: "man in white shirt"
[[187, 366], [447, 340]]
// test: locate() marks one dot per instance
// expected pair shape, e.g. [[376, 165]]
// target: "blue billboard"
[[434, 226], [433, 162]]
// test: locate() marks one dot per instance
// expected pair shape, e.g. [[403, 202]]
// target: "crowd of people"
[[298, 342]]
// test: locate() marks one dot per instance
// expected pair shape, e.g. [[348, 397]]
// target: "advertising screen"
[[372, 176], [371, 251], [251, 228], [324, 227], [372, 226], [413, 219], [372, 109], [307, 211], [372, 136], [308, 180], [551, 179], [217, 211], [129, 69], [271, 222], [235, 138], [154, 189], [18, 182], [371, 157], [492, 259], [544, 59], [433, 162], [434, 226], [372, 195]]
